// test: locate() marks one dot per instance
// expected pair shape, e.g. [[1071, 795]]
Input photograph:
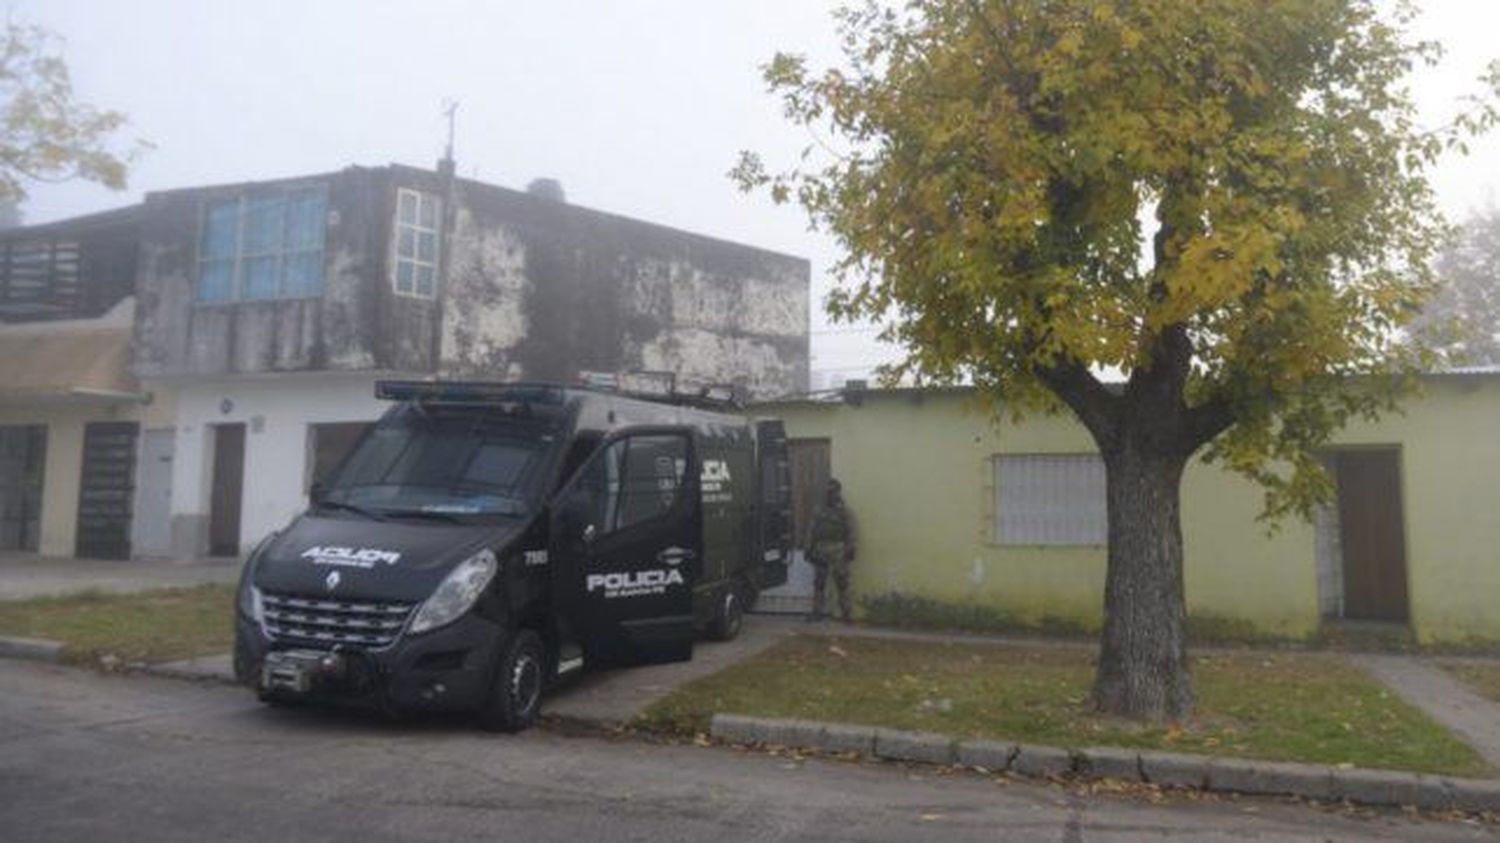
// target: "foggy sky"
[[638, 107]]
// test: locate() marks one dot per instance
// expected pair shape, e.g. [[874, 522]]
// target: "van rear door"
[[627, 547], [774, 504]]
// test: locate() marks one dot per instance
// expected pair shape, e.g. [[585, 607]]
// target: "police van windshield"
[[444, 463]]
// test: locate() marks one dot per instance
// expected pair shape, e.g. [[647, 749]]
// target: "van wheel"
[[729, 618], [516, 697]]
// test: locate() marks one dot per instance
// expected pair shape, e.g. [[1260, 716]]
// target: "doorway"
[[153, 494], [810, 463], [23, 458], [227, 490], [106, 486], [1371, 535]]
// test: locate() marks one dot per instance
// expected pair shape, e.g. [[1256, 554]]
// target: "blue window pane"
[[261, 278], [425, 282], [406, 210], [264, 247], [427, 247], [305, 221], [304, 274], [263, 225], [404, 275], [428, 217], [406, 243], [221, 226], [216, 280]]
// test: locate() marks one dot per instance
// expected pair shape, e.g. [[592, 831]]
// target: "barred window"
[[1050, 499]]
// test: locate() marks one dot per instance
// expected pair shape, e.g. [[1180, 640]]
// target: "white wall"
[[276, 412]]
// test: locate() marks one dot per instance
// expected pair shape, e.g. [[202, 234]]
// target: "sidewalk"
[[24, 576], [1474, 719], [614, 697]]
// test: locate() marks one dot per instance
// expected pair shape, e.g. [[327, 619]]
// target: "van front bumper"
[[447, 669]]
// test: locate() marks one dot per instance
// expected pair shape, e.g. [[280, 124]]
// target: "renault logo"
[[332, 580]]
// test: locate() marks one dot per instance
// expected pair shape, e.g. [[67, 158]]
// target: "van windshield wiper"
[[349, 507], [430, 514]]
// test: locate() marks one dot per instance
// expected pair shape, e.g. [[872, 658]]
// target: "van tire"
[[729, 618], [516, 696]]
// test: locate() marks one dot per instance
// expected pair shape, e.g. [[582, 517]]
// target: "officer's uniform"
[[830, 553]]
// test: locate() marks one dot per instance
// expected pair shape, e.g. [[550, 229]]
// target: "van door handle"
[[675, 555]]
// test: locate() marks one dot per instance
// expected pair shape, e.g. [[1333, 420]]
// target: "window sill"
[[218, 305]]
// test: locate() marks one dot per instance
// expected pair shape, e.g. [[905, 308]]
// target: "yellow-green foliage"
[[44, 132], [1234, 189]]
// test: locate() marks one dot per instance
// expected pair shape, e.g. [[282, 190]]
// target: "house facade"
[[264, 312], [961, 513], [70, 407]]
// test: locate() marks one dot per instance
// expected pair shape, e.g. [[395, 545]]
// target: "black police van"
[[483, 539]]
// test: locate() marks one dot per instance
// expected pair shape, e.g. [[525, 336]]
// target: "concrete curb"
[[1201, 772], [216, 668], [31, 649]]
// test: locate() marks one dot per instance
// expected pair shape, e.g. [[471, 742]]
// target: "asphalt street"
[[91, 757]]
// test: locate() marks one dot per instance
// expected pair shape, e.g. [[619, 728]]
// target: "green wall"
[[917, 472]]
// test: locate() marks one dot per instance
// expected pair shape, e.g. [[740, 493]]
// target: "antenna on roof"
[[450, 110]]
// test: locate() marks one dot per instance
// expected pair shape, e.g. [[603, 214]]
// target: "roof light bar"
[[467, 392]]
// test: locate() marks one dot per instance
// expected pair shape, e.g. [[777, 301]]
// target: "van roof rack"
[[662, 387], [708, 397]]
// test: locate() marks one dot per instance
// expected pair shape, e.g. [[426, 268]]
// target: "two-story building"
[[264, 312]]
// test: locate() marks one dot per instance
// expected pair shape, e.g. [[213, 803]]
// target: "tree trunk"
[[1143, 670]]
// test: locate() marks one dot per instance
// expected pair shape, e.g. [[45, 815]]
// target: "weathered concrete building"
[[265, 311]]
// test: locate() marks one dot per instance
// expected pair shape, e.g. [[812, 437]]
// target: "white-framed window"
[[265, 245], [1050, 499], [414, 271]]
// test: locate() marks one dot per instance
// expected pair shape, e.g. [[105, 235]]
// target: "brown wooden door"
[[1372, 531], [228, 484], [810, 469]]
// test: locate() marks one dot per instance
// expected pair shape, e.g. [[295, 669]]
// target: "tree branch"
[[1087, 397], [1206, 421]]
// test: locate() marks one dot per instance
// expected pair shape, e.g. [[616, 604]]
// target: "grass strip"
[[119, 629], [1278, 706]]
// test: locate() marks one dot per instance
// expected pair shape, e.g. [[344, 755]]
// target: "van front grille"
[[306, 620]]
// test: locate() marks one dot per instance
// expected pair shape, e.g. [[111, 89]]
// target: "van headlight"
[[457, 592], [250, 604], [247, 597]]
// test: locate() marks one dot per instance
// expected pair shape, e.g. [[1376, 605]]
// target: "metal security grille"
[[1050, 499], [40, 277], [305, 620], [23, 458], [105, 490]]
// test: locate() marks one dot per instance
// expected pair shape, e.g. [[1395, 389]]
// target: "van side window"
[[636, 479]]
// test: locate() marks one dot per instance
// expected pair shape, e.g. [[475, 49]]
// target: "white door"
[[152, 531]]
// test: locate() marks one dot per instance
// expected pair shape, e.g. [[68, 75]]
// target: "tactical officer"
[[832, 540]]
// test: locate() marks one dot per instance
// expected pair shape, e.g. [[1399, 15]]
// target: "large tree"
[[1190, 222], [46, 135], [1463, 319]]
